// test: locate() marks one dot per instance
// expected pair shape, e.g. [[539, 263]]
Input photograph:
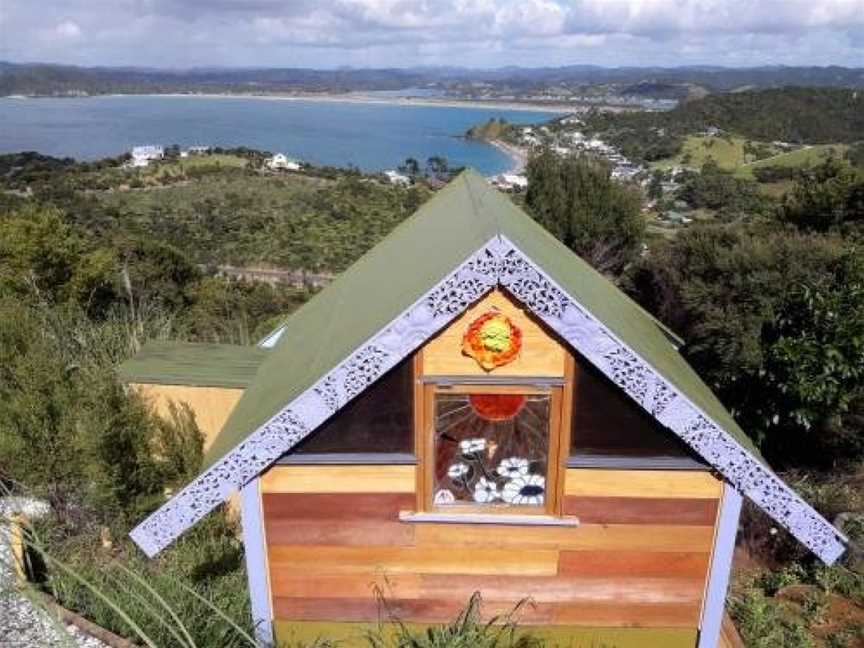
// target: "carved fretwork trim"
[[497, 262], [434, 310]]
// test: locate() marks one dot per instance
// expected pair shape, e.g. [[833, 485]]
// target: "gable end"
[[497, 262]]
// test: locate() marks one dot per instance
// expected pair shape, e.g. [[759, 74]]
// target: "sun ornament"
[[492, 340]]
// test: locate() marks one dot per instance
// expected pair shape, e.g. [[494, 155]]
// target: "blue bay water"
[[369, 136]]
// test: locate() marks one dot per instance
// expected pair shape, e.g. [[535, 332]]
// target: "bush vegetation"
[[577, 200], [810, 116], [770, 302]]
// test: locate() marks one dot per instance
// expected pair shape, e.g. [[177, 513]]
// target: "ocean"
[[371, 136]]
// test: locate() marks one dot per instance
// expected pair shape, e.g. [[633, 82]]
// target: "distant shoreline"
[[518, 155], [432, 102]]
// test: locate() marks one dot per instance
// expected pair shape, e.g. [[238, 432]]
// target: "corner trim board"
[[255, 548], [498, 262], [721, 565]]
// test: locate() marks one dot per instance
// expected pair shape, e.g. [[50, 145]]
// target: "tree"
[[411, 167], [825, 198], [577, 200], [655, 187], [855, 155], [774, 322], [719, 190], [437, 167], [38, 252]]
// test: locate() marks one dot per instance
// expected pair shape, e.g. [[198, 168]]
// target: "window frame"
[[560, 391]]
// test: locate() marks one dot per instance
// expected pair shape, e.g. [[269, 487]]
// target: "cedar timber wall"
[[639, 557], [211, 405]]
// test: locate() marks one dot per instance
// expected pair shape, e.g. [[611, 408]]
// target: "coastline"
[[351, 98], [517, 154]]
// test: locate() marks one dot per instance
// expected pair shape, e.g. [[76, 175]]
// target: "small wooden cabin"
[[472, 408]]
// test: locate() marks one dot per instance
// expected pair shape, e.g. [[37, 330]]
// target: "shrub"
[[774, 321], [582, 206]]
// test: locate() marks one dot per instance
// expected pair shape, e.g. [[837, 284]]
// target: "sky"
[[406, 33]]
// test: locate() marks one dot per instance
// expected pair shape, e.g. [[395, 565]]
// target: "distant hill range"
[[50, 79]]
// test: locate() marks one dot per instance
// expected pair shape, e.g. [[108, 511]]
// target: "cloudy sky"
[[475, 33]]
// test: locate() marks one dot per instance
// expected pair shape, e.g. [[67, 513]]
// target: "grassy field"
[[803, 157], [182, 165], [729, 154]]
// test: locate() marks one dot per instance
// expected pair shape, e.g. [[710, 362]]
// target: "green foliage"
[[815, 345], [719, 190], [855, 155], [193, 596], [468, 630], [797, 115], [68, 430], [38, 253], [762, 624], [241, 218], [579, 203], [774, 173], [494, 129], [758, 310], [236, 311], [829, 197]]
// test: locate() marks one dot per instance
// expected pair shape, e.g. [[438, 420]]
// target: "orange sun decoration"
[[496, 407], [492, 340]]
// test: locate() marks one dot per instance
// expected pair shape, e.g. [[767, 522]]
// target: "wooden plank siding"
[[211, 405], [636, 560]]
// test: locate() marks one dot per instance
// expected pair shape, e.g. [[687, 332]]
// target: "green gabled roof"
[[199, 365], [410, 261]]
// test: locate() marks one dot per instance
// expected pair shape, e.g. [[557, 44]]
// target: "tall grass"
[[195, 597], [468, 630]]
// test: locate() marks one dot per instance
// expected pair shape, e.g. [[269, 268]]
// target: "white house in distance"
[[281, 162], [142, 155], [511, 182], [397, 178]]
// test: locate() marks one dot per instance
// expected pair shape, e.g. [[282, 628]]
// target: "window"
[[492, 448], [608, 426], [378, 421]]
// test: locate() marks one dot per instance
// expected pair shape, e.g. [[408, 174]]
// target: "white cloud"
[[68, 29], [462, 32]]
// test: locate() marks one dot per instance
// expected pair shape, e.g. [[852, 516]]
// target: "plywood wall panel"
[[665, 484], [541, 354], [211, 405]]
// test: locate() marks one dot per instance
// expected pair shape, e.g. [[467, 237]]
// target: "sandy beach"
[[357, 98], [518, 154]]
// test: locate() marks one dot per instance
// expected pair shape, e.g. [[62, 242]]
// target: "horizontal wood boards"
[[335, 542]]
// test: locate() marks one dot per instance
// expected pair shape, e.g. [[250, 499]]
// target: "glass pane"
[[379, 420], [607, 423], [491, 449]]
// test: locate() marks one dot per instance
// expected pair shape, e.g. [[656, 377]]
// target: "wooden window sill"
[[488, 518]]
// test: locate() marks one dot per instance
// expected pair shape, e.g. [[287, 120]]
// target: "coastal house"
[[397, 178], [281, 162], [143, 155], [511, 181], [470, 407]]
